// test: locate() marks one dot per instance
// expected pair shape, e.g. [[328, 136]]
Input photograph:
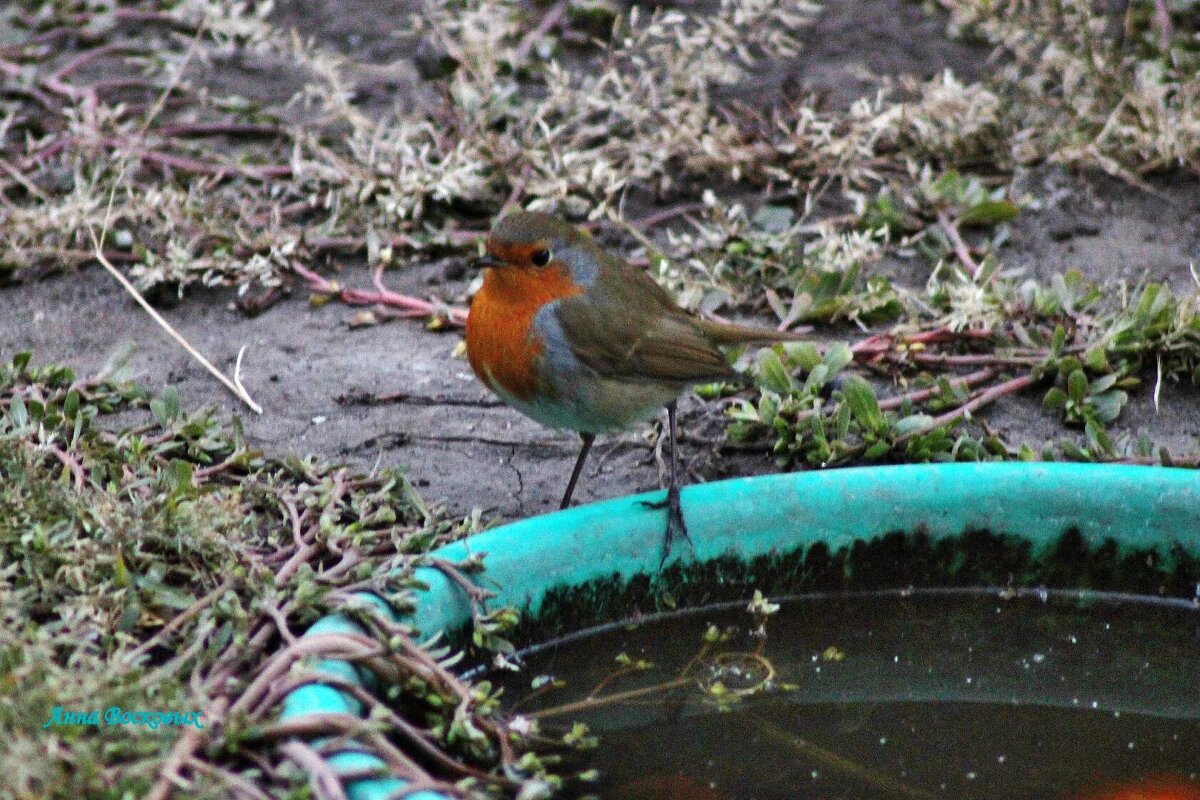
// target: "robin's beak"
[[485, 261]]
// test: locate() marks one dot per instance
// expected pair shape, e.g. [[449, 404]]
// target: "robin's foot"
[[676, 527]]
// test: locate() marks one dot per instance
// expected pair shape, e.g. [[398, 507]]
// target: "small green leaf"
[[160, 595], [1074, 451], [129, 616], [1107, 406], [816, 379], [1097, 437], [1103, 384], [71, 404], [120, 571], [863, 403], [803, 354], [1077, 386], [877, 451], [913, 422], [159, 410], [1058, 341], [171, 402], [837, 357], [18, 412], [1068, 365], [1096, 360], [988, 213], [773, 374], [1055, 398], [841, 421], [768, 407], [179, 475]]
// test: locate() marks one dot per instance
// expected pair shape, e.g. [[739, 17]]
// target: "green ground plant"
[[169, 567]]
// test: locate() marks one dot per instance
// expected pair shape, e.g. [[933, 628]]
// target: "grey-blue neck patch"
[[556, 349], [582, 264]]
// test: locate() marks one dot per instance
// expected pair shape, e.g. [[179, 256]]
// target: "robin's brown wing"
[[628, 327]]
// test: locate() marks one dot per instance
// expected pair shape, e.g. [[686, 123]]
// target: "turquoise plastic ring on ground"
[[1138, 508]]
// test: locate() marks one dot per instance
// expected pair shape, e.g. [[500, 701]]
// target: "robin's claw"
[[676, 527]]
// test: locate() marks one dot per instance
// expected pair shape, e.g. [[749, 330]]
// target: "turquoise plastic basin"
[[1138, 508]]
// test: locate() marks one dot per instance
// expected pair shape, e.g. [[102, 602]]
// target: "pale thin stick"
[[237, 374], [98, 243], [166, 326], [1158, 382]]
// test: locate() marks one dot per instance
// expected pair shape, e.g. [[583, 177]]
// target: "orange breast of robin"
[[499, 346]]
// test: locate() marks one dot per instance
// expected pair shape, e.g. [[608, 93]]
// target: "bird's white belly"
[[590, 404]]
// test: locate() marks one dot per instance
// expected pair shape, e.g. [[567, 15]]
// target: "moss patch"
[[895, 560]]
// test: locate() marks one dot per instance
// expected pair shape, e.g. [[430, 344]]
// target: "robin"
[[575, 337]]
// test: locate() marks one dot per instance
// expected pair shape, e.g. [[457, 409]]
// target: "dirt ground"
[[310, 370]]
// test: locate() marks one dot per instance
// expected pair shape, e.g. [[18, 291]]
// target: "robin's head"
[[535, 243]]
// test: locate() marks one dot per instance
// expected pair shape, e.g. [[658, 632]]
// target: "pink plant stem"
[[660, 217], [956, 241], [221, 129], [978, 401], [1162, 23], [138, 15], [116, 84], [465, 236], [47, 152], [347, 243], [881, 343], [921, 395], [411, 306], [187, 164], [70, 463], [83, 59], [968, 359]]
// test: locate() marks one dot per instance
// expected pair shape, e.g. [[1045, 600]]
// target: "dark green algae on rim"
[[1060, 526]]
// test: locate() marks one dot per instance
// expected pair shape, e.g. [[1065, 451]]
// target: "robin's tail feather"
[[729, 333]]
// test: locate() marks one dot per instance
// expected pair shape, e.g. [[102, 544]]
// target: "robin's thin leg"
[[587, 438], [676, 528]]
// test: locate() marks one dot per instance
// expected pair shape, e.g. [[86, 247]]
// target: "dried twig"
[[177, 621], [240, 393], [187, 744], [237, 784], [325, 783], [956, 241], [551, 18]]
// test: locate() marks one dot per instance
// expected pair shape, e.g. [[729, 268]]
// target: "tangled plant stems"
[[232, 191], [179, 564]]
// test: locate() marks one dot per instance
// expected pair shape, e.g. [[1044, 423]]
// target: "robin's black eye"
[[540, 258]]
